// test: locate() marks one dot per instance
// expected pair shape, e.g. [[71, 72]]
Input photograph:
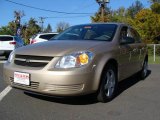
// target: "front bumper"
[[71, 82]]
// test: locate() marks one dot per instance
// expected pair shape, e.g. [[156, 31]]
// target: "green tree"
[[156, 7], [10, 29], [48, 29], [119, 15], [5, 30], [31, 28], [155, 1], [147, 24], [134, 8], [97, 16]]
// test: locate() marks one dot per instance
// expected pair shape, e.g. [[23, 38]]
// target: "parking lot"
[[136, 100]]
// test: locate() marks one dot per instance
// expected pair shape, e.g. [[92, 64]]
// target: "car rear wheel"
[[108, 84], [143, 72]]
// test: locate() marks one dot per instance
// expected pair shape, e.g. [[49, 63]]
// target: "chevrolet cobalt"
[[84, 59]]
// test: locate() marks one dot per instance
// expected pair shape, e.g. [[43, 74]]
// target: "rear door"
[[5, 43]]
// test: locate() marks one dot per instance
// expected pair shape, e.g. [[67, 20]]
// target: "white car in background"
[[9, 43], [41, 37]]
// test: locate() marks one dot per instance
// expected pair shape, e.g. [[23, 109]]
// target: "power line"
[[41, 22], [84, 7], [67, 17], [47, 10]]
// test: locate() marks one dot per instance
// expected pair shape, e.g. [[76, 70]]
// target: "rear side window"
[[5, 38], [47, 36], [130, 32], [135, 35]]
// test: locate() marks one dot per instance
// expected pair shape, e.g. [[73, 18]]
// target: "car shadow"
[[129, 82], [79, 100], [88, 99]]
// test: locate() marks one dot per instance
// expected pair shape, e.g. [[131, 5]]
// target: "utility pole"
[[18, 15], [102, 4], [42, 22]]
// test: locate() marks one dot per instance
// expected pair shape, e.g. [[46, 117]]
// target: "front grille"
[[33, 85], [32, 61]]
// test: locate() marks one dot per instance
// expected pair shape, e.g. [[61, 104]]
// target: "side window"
[[135, 35], [47, 36], [43, 37], [123, 34], [128, 36]]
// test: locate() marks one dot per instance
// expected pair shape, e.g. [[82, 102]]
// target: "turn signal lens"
[[83, 59]]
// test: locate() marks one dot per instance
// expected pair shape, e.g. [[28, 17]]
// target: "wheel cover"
[[110, 83]]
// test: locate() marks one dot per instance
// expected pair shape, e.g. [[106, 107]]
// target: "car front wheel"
[[108, 84]]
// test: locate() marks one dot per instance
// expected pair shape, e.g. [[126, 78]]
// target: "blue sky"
[[74, 6]]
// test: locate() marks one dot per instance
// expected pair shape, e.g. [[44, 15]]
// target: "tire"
[[108, 86], [144, 71]]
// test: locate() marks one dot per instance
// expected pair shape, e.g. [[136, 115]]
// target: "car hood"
[[57, 48]]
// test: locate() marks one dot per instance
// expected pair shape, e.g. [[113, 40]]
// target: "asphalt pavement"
[[136, 100], [2, 83]]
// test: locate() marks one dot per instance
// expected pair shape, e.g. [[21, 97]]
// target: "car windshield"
[[98, 32]]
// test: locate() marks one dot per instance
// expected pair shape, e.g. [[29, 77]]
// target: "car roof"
[[47, 33], [101, 23]]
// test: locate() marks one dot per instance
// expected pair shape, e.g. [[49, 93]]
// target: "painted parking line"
[[5, 92], [2, 61]]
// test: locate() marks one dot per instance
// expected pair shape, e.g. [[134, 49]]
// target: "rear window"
[[47, 36], [6, 38]]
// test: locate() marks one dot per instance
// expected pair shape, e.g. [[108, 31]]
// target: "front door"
[[125, 56]]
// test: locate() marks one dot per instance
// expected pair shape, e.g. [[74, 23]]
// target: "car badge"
[[27, 60]]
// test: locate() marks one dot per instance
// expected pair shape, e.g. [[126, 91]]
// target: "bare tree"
[[61, 26]]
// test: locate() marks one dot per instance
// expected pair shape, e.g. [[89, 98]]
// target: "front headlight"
[[10, 58], [73, 60]]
